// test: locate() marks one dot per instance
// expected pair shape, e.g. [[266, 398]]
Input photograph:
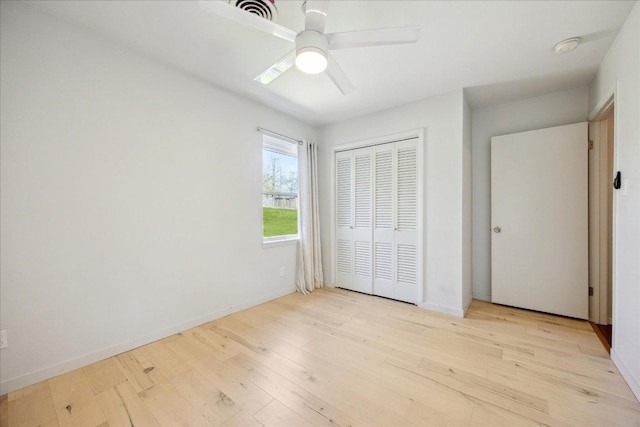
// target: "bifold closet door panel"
[[407, 249], [362, 220], [354, 220], [384, 220], [344, 220]]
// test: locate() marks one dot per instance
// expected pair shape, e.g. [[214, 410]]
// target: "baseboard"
[[25, 380], [626, 374], [482, 297], [443, 309], [466, 306]]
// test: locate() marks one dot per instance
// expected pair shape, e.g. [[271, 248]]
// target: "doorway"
[[601, 170]]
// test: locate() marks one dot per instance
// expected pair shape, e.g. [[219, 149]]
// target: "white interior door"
[[539, 216]]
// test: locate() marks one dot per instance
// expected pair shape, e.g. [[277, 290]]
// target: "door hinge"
[[590, 145], [590, 291]]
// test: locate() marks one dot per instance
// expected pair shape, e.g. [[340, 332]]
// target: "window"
[[279, 190]]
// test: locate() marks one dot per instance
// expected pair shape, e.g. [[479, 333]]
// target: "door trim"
[[599, 111], [600, 215]]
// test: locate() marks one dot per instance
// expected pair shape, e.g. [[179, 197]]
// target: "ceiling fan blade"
[[225, 10], [338, 77], [315, 15], [377, 37], [278, 68]]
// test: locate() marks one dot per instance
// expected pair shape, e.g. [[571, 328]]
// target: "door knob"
[[497, 229]]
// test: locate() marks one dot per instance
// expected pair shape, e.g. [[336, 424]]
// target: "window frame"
[[277, 145]]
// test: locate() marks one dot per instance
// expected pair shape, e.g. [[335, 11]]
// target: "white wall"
[[621, 67], [534, 113], [130, 199], [442, 118]]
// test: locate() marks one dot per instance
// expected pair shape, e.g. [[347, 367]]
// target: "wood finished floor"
[[336, 358]]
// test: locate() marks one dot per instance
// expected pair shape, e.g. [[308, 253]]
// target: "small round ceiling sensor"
[[566, 46]]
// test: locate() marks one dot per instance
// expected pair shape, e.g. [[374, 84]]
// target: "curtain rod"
[[280, 135]]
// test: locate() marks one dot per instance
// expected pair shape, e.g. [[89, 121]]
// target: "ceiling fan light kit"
[[311, 60], [311, 54]]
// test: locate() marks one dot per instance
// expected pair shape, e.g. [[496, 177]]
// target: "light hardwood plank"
[[443, 416], [487, 415], [163, 360], [214, 344], [114, 408], [242, 419], [103, 375], [309, 406], [200, 393], [133, 371], [488, 392], [253, 344], [75, 403], [137, 411], [33, 407], [234, 386], [275, 414], [4, 410], [349, 391], [23, 392], [170, 408]]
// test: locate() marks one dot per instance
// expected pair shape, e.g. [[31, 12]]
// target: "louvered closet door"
[[362, 220], [353, 220], [407, 248], [396, 246], [384, 159], [377, 220], [344, 220]]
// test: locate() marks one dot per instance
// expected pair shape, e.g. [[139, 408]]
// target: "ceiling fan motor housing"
[[312, 39], [263, 8]]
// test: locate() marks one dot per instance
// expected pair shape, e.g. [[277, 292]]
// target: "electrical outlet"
[[3, 339], [283, 271]]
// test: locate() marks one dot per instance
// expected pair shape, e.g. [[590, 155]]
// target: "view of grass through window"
[[279, 222], [279, 188]]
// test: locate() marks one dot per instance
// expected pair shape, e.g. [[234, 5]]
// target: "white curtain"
[[309, 275]]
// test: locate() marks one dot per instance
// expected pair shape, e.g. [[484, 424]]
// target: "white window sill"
[[274, 242]]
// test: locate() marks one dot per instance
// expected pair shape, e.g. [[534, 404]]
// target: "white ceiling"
[[498, 50]]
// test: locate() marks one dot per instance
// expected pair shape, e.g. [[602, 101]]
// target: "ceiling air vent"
[[263, 8]]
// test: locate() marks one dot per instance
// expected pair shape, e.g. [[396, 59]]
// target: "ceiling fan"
[[312, 45]]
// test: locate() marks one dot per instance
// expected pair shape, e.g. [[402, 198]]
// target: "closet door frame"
[[418, 134]]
